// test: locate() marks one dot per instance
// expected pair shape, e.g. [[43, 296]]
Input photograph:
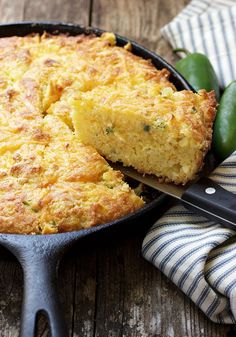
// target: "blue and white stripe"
[[198, 255], [208, 27]]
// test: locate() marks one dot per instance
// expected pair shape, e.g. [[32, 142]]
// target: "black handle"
[[39, 256], [41, 295], [212, 201]]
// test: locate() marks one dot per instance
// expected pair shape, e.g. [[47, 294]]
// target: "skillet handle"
[[39, 256], [41, 295]]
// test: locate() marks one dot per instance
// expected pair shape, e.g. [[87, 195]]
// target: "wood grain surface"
[[106, 287]]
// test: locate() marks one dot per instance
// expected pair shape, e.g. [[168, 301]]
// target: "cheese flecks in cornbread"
[[50, 182], [166, 134]]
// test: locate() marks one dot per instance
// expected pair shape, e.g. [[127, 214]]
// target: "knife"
[[204, 196]]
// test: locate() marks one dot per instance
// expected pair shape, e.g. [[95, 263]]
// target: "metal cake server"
[[204, 196]]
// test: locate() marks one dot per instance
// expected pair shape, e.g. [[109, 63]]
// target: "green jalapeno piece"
[[224, 134], [198, 71]]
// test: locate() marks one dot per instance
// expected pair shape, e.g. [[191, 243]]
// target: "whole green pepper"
[[224, 133], [198, 71]]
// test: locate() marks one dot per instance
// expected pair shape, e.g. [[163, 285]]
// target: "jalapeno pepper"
[[224, 134], [198, 71]]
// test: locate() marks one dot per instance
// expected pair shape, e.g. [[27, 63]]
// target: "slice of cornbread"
[[166, 134]]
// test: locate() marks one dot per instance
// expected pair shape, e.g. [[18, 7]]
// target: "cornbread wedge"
[[167, 134]]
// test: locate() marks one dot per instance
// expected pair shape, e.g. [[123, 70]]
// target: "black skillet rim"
[[54, 27]]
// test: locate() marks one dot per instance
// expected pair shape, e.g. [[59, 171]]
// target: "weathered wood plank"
[[138, 20], [84, 294], [11, 282], [11, 11], [134, 299], [57, 10]]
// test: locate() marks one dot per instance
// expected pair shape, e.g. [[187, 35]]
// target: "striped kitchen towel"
[[198, 255], [208, 27]]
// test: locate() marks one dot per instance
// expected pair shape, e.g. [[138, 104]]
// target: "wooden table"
[[107, 288]]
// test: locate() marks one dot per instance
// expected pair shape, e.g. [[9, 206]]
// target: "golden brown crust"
[[49, 181]]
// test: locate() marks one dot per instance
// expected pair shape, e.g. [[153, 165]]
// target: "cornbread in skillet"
[[49, 181]]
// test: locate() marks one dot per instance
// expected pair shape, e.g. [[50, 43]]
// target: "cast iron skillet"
[[39, 255]]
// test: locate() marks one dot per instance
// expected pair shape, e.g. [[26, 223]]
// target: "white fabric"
[[198, 255], [208, 27]]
